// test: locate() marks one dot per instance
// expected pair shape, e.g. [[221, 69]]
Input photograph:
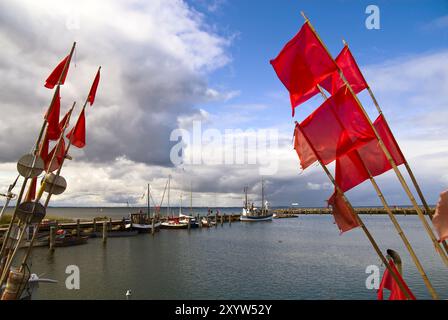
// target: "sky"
[[174, 66]]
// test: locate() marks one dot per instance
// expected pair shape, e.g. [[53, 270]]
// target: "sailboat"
[[252, 214], [183, 218], [175, 223], [142, 222]]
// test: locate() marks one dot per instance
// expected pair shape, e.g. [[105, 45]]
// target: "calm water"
[[303, 258]]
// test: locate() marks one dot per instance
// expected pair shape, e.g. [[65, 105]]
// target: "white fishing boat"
[[252, 214]]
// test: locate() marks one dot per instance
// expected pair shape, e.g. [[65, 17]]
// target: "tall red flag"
[[303, 149], [353, 168], [388, 282], [342, 213], [44, 149], [302, 64], [53, 78], [440, 218], [337, 126], [57, 162], [92, 93], [347, 63], [65, 119], [52, 116], [77, 135]]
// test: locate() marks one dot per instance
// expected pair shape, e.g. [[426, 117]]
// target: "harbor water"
[[296, 258]]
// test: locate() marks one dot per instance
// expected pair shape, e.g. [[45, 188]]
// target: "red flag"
[[388, 282], [77, 135], [52, 117], [347, 64], [302, 64], [31, 194], [350, 171], [303, 149], [64, 120], [53, 78], [57, 161], [44, 149], [337, 126], [343, 214], [440, 218], [92, 93], [351, 168]]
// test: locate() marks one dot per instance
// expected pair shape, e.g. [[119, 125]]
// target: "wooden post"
[[216, 220], [104, 232], [94, 225], [230, 219], [123, 224], [189, 224], [110, 224], [222, 219], [52, 238], [387, 154], [153, 229], [78, 229]]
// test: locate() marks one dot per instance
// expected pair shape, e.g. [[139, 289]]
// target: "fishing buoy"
[[32, 212], [55, 184], [13, 285], [30, 166]]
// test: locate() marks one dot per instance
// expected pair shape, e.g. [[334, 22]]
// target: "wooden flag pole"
[[406, 164], [36, 153], [394, 220], [389, 157], [356, 216], [42, 187]]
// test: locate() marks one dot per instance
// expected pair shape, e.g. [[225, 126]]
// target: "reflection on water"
[[302, 258]]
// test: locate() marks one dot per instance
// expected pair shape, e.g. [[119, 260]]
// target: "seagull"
[[128, 294]]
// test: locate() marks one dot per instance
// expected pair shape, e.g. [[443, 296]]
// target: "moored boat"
[[252, 214]]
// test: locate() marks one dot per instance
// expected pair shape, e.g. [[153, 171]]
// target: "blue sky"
[[261, 29]]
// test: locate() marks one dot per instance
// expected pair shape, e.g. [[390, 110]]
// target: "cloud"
[[155, 57], [438, 23]]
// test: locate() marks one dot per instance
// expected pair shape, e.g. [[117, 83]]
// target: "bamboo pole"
[[358, 219], [42, 187], [36, 153], [393, 219], [406, 163], [388, 156]]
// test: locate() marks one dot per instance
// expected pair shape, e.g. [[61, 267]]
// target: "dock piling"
[[78, 229], [94, 225], [104, 232], [52, 238]]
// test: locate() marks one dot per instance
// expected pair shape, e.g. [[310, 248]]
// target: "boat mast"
[[169, 185], [180, 208], [148, 204], [262, 195], [191, 198], [245, 196]]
